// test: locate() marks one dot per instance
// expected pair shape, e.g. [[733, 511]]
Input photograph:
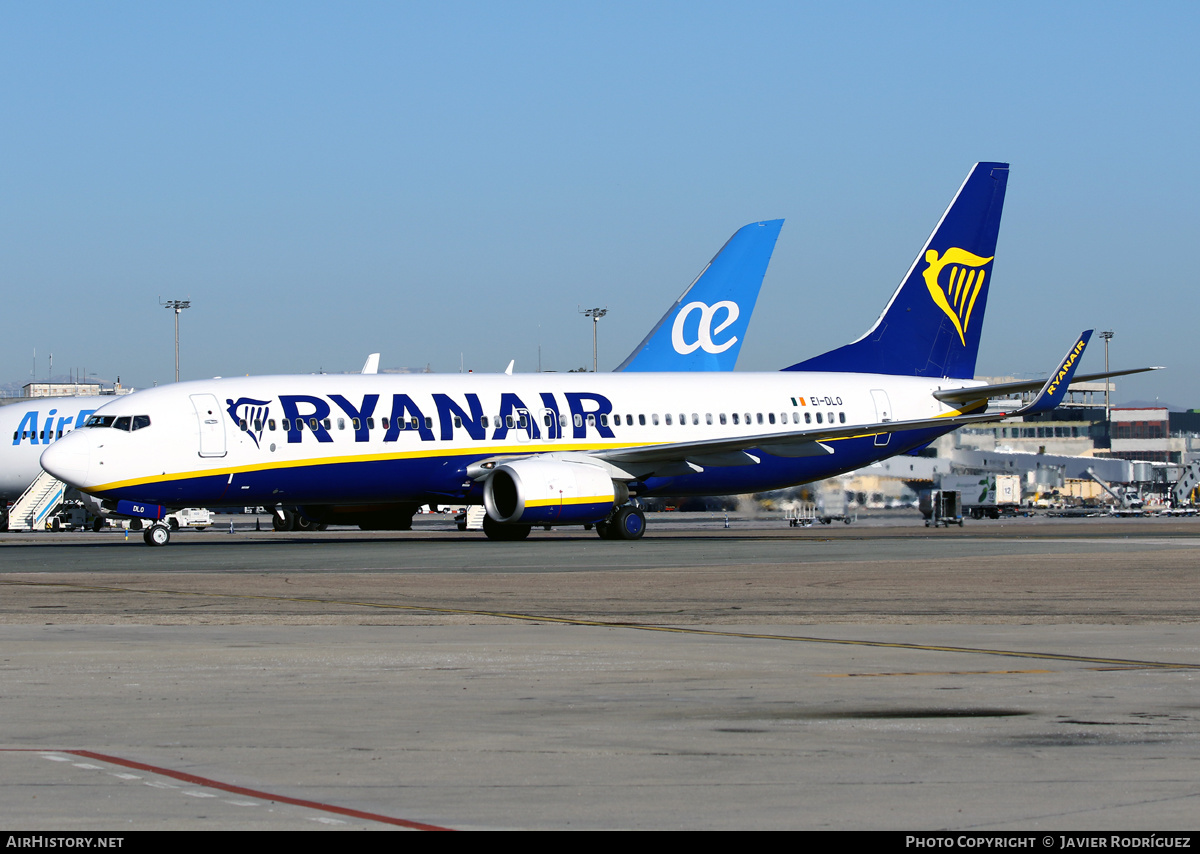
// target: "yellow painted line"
[[645, 627]]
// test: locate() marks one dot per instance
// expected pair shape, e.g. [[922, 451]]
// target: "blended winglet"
[[1056, 386]]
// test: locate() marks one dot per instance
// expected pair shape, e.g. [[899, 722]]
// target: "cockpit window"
[[120, 422]]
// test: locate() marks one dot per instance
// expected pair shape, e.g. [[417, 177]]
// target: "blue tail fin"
[[704, 329], [931, 326]]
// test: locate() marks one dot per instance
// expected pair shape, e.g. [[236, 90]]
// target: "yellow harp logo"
[[955, 292]]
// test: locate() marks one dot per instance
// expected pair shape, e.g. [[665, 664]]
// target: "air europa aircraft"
[[539, 449], [32, 425]]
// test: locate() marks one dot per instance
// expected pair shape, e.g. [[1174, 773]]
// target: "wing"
[[984, 392]]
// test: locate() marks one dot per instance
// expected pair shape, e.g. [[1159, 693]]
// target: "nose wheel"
[[157, 535]]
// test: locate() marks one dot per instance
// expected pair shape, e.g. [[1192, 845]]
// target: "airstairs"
[[36, 503], [1186, 485], [472, 520]]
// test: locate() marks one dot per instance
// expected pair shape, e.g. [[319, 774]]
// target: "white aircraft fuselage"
[[352, 439]]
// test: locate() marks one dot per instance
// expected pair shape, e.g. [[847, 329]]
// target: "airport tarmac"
[[1027, 674]]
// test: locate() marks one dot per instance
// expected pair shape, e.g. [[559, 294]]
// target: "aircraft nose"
[[68, 461]]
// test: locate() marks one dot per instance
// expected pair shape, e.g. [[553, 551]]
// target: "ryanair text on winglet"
[[1065, 368]]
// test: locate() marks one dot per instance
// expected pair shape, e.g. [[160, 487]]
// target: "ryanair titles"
[[1064, 370], [584, 414]]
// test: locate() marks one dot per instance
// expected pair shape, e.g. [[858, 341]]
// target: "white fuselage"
[[412, 437]]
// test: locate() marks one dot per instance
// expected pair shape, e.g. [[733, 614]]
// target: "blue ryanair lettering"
[[407, 415], [362, 413], [576, 401], [401, 405], [512, 405], [554, 429], [320, 410], [472, 421]]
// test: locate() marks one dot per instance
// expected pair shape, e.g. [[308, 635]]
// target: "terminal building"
[[85, 389], [1072, 455], [68, 389]]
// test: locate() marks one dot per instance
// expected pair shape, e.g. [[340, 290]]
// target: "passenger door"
[[211, 422]]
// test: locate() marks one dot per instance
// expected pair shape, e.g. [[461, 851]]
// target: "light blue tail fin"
[[931, 326], [704, 329]]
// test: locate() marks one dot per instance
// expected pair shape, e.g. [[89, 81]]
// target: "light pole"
[[178, 305], [595, 314], [1107, 336]]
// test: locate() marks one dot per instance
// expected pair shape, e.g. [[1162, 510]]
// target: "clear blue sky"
[[324, 180]]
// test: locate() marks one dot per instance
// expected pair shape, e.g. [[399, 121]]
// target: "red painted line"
[[241, 790]]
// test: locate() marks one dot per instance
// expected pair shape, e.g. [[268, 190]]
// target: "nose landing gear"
[[157, 535]]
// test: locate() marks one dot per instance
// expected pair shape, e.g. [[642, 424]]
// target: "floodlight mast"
[[1107, 336], [178, 305], [595, 314]]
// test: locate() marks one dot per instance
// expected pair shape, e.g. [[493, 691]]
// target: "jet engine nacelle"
[[541, 491]]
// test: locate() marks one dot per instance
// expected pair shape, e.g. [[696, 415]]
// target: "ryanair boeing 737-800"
[[710, 318], [557, 449]]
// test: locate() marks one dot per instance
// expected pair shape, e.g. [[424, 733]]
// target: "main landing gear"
[[289, 520], [627, 523], [624, 523]]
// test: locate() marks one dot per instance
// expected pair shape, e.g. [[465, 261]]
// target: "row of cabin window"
[[520, 421], [708, 418], [409, 424], [313, 424], [44, 435]]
